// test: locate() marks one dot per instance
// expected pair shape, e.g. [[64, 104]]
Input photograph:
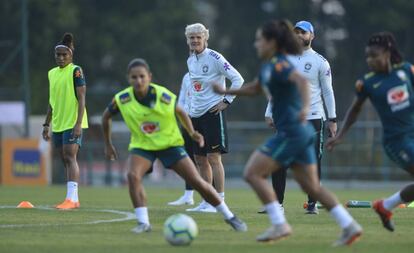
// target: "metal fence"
[[359, 157]]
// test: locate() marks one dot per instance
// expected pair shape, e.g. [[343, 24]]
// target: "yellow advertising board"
[[23, 163]]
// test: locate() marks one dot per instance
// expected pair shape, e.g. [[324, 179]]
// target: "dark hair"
[[386, 40], [138, 62], [67, 40], [282, 32]]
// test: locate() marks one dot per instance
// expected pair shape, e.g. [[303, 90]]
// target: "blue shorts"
[[287, 150], [168, 156], [401, 151], [65, 137]]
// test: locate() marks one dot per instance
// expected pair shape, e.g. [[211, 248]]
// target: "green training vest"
[[151, 128], [62, 99]]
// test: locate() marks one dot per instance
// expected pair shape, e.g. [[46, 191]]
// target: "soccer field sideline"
[[311, 233]]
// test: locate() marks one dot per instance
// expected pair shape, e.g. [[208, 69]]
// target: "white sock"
[[142, 214], [341, 216], [393, 201], [188, 194], [221, 194], [72, 191], [224, 210], [276, 216]]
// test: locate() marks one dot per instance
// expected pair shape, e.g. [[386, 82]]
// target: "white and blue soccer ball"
[[180, 230]]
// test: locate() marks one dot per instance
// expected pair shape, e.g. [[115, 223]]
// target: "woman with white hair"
[[207, 67]]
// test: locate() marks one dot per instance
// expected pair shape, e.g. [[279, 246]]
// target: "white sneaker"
[[275, 232], [141, 228], [182, 201], [203, 207], [349, 235]]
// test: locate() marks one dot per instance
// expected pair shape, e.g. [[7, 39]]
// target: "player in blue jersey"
[[390, 88], [293, 144]]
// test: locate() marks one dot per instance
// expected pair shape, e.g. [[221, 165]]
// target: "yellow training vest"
[[62, 99], [151, 128]]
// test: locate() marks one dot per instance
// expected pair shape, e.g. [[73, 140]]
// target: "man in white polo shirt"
[[315, 68], [207, 67]]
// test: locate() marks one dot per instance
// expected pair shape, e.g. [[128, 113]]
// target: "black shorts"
[[188, 144], [214, 129]]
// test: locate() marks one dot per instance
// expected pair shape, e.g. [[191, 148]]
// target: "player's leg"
[[70, 149], [306, 176], [318, 125], [258, 169], [401, 152], [279, 186], [188, 197], [187, 170], [138, 163], [215, 135]]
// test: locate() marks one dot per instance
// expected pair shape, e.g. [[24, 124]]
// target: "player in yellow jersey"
[[67, 113], [149, 111]]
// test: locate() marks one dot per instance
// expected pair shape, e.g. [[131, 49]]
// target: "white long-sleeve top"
[[315, 68], [184, 98], [206, 69]]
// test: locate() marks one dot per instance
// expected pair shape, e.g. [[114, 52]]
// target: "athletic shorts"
[[214, 129], [65, 137], [188, 144], [168, 157], [401, 151], [288, 150]]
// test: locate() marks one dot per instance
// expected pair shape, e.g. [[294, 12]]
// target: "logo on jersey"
[[79, 73], [197, 86], [308, 66], [398, 98], [328, 72], [150, 127], [124, 98], [165, 98], [205, 68], [214, 54], [226, 66]]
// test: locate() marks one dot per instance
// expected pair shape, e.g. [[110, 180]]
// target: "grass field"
[[49, 230]]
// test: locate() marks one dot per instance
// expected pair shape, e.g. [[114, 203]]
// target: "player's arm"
[[230, 73], [249, 89], [303, 88], [325, 80], [80, 85], [46, 125], [110, 151], [268, 115], [188, 126], [350, 117]]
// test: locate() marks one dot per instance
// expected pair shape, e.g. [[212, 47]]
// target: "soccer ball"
[[180, 229]]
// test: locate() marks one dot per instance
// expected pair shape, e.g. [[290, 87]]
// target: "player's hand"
[[333, 127], [303, 114], [332, 142], [110, 153], [269, 122], [77, 131], [218, 108], [45, 133], [197, 137], [217, 88]]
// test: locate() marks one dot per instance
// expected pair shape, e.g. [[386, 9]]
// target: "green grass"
[[64, 233]]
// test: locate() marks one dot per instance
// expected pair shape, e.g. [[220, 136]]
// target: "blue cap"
[[304, 25]]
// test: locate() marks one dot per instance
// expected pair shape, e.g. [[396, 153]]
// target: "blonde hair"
[[196, 28]]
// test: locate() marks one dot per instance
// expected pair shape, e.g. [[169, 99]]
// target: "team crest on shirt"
[[165, 98], [204, 68], [124, 98], [398, 98], [150, 127], [308, 67], [197, 86]]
